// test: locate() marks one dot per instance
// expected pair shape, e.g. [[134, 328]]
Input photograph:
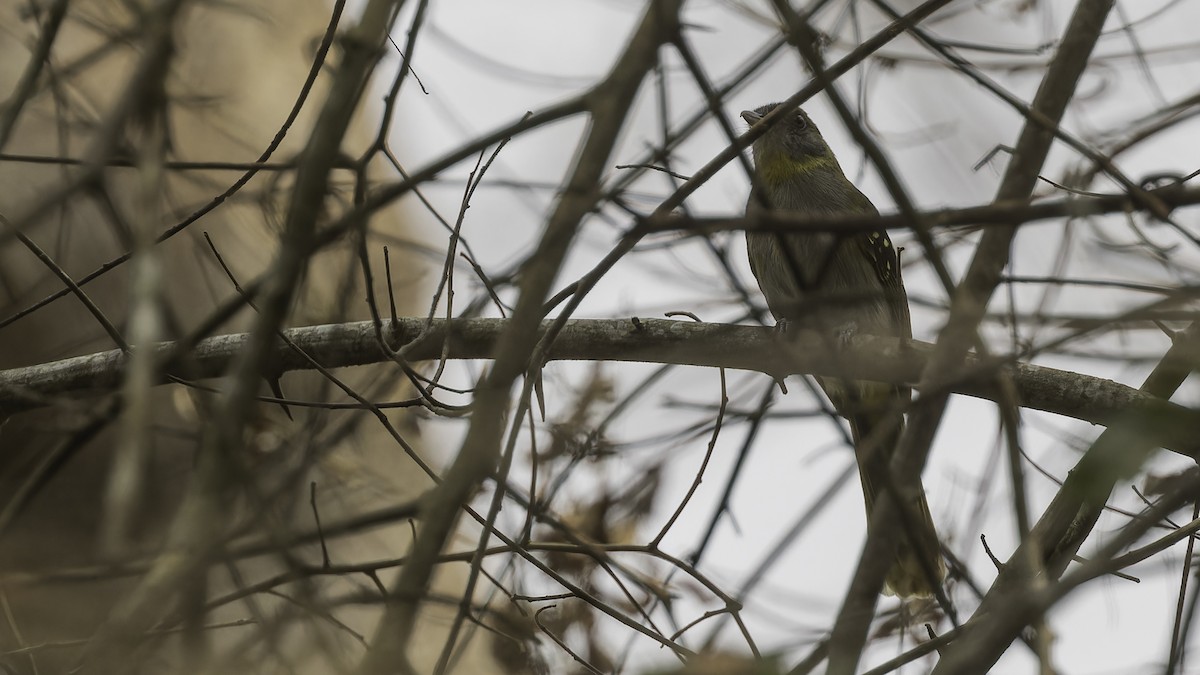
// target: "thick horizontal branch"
[[1082, 397], [998, 213]]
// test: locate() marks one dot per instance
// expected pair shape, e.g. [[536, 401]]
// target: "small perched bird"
[[838, 284]]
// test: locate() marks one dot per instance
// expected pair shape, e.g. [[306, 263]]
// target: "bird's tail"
[[919, 552]]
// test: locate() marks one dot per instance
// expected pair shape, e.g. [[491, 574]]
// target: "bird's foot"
[[781, 327], [845, 333]]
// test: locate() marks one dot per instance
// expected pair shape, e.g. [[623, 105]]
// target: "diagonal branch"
[[609, 104], [969, 304], [197, 529], [1070, 517]]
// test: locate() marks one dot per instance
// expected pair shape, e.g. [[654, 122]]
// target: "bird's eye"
[[801, 121]]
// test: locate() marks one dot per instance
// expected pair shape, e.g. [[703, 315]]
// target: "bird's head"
[[792, 146]]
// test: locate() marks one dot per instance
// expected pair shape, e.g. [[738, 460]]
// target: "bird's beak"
[[751, 117]]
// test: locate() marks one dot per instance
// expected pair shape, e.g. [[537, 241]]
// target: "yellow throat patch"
[[781, 168]]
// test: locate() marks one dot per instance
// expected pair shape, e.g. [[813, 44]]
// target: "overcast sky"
[[485, 63]]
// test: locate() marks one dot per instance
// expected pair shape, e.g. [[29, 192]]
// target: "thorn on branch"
[[987, 549], [987, 159], [1116, 573], [932, 637], [1169, 332], [655, 168]]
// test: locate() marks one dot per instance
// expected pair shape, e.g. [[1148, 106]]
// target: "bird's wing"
[[877, 247]]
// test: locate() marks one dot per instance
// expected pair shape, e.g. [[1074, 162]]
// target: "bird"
[[839, 284]]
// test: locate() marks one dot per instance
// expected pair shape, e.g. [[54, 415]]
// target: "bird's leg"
[[781, 329]]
